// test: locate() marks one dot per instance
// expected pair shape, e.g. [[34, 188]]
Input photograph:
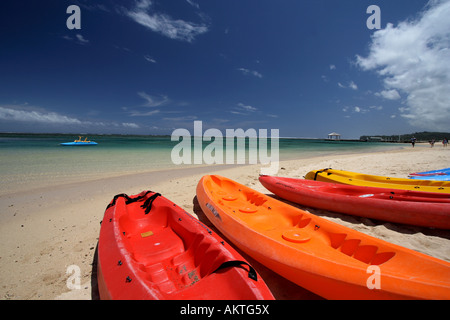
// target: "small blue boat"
[[80, 142]]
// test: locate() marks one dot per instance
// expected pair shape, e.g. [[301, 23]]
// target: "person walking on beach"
[[432, 143], [413, 141], [444, 142]]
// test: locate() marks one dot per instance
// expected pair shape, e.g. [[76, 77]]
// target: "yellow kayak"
[[360, 179]]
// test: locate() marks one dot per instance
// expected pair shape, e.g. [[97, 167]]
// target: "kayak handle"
[[237, 263]]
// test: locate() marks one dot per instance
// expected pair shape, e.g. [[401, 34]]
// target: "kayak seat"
[[225, 185], [199, 260], [236, 204], [149, 237], [135, 221], [163, 244], [184, 261], [159, 276], [185, 268]]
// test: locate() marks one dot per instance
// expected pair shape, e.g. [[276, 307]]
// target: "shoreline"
[[47, 172], [46, 230]]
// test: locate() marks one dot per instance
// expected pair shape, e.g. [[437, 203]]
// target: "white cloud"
[[130, 125], [332, 67], [389, 94], [135, 113], [413, 59], [361, 110], [250, 72], [351, 85], [246, 107], [78, 39], [14, 113], [81, 39], [143, 4], [153, 101], [243, 109], [149, 59], [194, 4], [161, 23], [185, 118], [30, 116]]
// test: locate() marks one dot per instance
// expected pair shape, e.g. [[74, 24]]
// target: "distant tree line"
[[420, 136]]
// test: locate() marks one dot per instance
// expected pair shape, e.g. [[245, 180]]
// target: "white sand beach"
[[44, 230]]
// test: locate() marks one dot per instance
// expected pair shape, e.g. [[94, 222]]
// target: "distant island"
[[420, 136]]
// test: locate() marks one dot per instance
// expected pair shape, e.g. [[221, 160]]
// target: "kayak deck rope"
[[322, 171], [148, 203]]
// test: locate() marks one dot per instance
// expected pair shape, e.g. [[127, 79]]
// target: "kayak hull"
[[425, 209], [326, 258], [163, 253], [365, 180]]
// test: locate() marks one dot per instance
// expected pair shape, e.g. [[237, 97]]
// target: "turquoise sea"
[[38, 159]]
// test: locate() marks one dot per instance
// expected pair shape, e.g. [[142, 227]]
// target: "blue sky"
[[307, 68]]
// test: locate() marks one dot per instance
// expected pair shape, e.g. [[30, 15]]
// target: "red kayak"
[[426, 209], [149, 248]]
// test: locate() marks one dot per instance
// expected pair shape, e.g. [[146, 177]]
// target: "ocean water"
[[28, 160]]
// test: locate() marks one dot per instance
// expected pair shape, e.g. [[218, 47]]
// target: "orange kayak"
[[149, 248], [324, 257], [426, 209]]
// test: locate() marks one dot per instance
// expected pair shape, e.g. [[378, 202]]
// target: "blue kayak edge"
[[445, 177]]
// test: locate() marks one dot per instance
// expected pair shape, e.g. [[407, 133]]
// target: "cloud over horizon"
[[14, 113], [25, 115], [413, 58]]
